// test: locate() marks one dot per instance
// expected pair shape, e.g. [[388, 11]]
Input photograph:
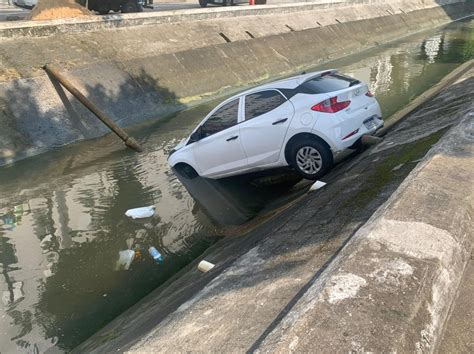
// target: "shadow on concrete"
[[29, 129], [451, 8]]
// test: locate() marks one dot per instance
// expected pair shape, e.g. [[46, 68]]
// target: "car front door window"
[[267, 117], [224, 118]]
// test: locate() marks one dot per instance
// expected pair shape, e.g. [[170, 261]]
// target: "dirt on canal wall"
[[143, 67]]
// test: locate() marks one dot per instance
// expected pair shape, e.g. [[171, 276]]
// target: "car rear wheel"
[[203, 3], [311, 158]]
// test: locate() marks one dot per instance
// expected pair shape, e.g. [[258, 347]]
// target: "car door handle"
[[280, 121], [232, 138]]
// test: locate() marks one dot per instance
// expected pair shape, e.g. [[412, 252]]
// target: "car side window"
[[262, 102], [224, 118]]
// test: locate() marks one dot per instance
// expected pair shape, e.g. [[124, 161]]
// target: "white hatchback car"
[[300, 122]]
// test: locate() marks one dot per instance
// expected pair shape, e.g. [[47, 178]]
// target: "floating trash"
[[155, 254], [317, 185], [398, 167], [130, 242], [125, 260], [205, 266], [140, 213]]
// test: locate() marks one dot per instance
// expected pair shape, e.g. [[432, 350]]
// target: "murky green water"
[[62, 219]]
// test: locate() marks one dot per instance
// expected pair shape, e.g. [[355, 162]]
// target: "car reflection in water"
[[235, 200]]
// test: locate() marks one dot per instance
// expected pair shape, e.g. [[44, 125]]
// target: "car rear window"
[[329, 83]]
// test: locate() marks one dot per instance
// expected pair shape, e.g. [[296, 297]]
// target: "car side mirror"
[[196, 136]]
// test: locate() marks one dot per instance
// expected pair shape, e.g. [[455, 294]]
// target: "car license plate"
[[370, 123]]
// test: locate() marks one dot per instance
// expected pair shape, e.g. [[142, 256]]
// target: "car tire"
[[203, 3], [131, 6], [227, 3], [311, 158], [186, 171]]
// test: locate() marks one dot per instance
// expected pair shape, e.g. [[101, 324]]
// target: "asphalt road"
[[15, 13]]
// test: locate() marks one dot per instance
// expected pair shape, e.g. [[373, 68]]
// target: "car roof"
[[288, 83]]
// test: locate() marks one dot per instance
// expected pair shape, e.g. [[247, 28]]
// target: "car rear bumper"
[[368, 127]]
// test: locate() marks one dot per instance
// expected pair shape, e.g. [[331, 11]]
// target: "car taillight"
[[369, 94], [330, 106]]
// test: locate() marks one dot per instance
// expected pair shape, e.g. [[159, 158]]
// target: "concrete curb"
[[113, 21], [398, 276]]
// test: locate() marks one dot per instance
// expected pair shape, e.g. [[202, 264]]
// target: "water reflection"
[[60, 241], [235, 200], [62, 222]]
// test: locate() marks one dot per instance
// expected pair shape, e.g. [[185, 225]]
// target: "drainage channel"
[[62, 222]]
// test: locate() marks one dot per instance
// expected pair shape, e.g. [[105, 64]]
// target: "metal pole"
[[129, 141]]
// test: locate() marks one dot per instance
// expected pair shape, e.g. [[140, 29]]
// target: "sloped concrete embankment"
[[298, 282], [392, 286], [145, 66]]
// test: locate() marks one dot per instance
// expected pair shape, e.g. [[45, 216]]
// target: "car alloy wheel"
[[309, 160]]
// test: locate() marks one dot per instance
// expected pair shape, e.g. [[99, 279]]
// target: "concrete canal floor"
[[63, 223]]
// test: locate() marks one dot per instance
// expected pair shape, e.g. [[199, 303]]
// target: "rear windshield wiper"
[[354, 82]]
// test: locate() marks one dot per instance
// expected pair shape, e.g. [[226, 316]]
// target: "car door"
[[219, 151], [267, 115]]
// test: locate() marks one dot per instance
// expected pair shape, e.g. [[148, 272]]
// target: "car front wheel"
[[311, 159], [203, 3], [186, 171]]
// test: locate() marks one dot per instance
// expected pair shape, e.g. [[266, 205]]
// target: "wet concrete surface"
[[259, 277], [63, 223]]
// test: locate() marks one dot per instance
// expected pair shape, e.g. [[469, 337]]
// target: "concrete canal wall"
[[140, 67]]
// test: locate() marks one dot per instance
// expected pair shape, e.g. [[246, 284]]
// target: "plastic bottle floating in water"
[[155, 254]]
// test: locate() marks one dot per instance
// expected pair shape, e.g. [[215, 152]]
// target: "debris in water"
[[397, 167], [125, 260], [317, 185], [155, 254], [130, 242], [205, 266], [139, 213]]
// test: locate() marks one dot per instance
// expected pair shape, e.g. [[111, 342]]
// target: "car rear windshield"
[[329, 83]]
